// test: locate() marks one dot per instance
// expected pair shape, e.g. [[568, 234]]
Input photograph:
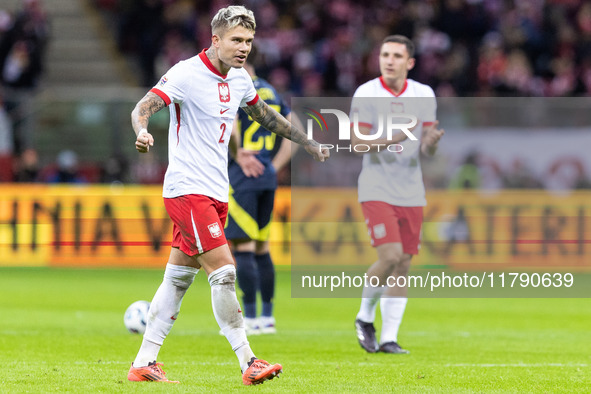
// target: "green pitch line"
[[62, 330]]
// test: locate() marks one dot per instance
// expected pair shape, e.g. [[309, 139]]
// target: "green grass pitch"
[[62, 331]]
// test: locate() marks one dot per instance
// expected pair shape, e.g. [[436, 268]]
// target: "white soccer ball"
[[136, 317]]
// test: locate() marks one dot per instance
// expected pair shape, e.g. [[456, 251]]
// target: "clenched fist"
[[144, 141]]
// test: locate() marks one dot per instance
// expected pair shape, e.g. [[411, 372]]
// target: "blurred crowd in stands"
[[23, 42], [328, 47], [311, 48]]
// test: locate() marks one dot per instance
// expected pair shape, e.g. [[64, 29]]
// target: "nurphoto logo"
[[387, 125]]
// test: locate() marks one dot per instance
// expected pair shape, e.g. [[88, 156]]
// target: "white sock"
[[369, 303], [227, 312], [392, 311], [164, 309]]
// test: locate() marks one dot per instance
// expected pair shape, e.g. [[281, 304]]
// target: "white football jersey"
[[393, 177], [204, 104]]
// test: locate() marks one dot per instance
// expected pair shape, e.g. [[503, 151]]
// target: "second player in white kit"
[[390, 188]]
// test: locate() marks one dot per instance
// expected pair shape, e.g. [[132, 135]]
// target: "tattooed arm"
[[273, 121], [140, 116]]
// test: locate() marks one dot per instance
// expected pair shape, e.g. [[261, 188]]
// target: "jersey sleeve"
[[429, 107], [250, 97], [361, 105], [173, 86]]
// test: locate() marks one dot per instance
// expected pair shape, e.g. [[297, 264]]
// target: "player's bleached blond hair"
[[232, 16]]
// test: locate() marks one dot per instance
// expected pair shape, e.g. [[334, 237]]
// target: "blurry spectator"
[[566, 174], [491, 174], [6, 144], [22, 49], [114, 170], [148, 169], [583, 183], [492, 62], [520, 177], [468, 175], [141, 30], [585, 76], [150, 32], [517, 75], [281, 80], [5, 22], [27, 167], [175, 49], [180, 16], [452, 73], [67, 169], [565, 78], [23, 46], [312, 85]]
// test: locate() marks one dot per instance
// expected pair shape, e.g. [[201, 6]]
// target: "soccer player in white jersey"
[[204, 94], [391, 190]]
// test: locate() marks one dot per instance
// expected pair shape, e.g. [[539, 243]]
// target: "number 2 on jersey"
[[223, 129]]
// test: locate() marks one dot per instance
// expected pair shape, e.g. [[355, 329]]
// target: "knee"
[[401, 269], [392, 259], [225, 275], [180, 276]]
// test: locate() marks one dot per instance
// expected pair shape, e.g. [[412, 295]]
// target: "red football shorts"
[[198, 222], [391, 224]]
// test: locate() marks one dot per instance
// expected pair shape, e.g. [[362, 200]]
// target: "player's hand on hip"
[[250, 165], [144, 141], [318, 152]]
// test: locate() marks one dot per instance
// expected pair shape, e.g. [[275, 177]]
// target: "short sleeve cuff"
[[253, 101], [162, 95], [363, 124]]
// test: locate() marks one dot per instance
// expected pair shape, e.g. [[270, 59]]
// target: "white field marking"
[[113, 362], [165, 363], [525, 365], [467, 365], [336, 363]]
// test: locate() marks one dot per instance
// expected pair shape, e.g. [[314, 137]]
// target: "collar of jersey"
[[209, 65], [393, 93]]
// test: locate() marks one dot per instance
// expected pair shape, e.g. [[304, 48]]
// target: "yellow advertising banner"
[[127, 226], [83, 226], [99, 226], [461, 230]]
